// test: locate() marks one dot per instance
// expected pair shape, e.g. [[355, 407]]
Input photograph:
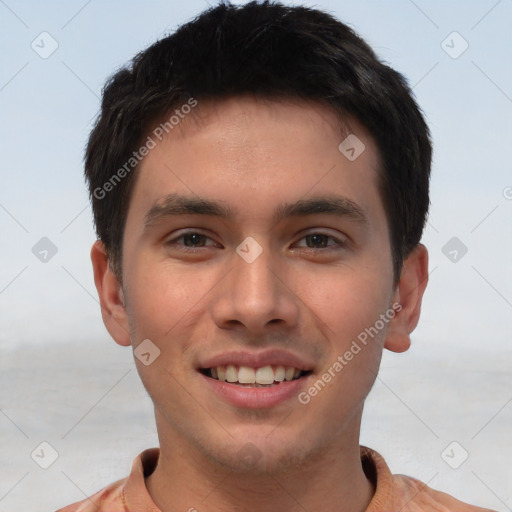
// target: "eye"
[[194, 240], [190, 239], [321, 241]]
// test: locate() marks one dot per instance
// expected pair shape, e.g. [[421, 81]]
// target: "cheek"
[[350, 301], [161, 298]]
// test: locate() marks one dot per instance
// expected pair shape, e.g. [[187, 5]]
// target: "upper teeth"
[[247, 375]]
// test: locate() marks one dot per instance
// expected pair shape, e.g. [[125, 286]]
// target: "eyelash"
[[338, 245]]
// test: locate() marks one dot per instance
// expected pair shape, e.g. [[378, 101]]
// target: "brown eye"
[[317, 241], [191, 239], [321, 241]]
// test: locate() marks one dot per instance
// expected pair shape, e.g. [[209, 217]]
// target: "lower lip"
[[256, 398]]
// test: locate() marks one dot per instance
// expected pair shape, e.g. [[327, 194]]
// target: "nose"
[[257, 295]]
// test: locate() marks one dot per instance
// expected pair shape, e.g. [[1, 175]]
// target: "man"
[[259, 182]]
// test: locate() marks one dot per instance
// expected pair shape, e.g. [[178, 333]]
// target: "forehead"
[[256, 153]]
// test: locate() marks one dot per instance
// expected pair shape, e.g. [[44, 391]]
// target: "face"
[[254, 249]]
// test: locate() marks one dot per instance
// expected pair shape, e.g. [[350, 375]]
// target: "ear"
[[409, 293], [111, 297]]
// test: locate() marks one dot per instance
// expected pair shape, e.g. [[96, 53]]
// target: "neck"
[[332, 480]]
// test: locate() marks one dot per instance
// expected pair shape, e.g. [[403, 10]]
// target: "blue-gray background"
[[65, 382]]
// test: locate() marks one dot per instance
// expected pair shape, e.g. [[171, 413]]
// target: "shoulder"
[[109, 499], [415, 496], [125, 495], [404, 493]]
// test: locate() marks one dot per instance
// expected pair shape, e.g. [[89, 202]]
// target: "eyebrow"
[[177, 204]]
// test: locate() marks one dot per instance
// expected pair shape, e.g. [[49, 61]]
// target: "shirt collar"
[[136, 496]]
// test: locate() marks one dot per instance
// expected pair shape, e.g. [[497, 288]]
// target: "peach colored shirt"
[[393, 493]]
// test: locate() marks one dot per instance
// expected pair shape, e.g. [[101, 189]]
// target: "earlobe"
[[409, 294], [111, 296]]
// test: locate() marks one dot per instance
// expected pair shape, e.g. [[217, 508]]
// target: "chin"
[[257, 454]]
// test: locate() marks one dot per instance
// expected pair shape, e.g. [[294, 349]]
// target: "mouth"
[[255, 380], [262, 377]]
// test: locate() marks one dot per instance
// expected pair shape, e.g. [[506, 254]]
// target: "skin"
[[251, 155]]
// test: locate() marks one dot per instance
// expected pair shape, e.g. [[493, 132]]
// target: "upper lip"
[[273, 357]]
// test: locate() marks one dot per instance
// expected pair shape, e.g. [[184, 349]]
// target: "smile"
[[264, 376], [255, 379]]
